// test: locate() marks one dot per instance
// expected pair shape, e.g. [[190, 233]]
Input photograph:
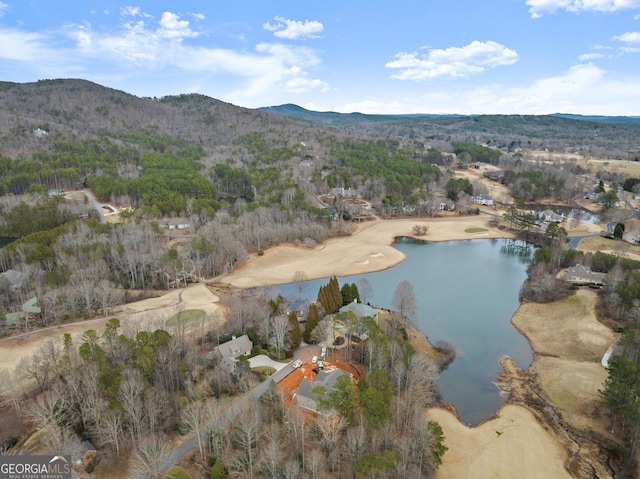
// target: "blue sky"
[[371, 56]]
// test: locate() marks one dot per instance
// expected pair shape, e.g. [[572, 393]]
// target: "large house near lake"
[[580, 274], [307, 398]]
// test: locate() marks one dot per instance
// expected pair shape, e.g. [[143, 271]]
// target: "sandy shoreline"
[[522, 439], [368, 249]]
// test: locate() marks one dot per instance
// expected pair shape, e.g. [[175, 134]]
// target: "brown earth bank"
[[553, 425]]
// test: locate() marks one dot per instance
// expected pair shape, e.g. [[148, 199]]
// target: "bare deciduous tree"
[[331, 427], [146, 458], [365, 290], [299, 278], [316, 463], [247, 433], [194, 417], [323, 332], [271, 454], [404, 300], [279, 333], [420, 230], [297, 428], [132, 400]]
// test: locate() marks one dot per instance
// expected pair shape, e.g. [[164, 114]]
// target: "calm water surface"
[[5, 241], [466, 292]]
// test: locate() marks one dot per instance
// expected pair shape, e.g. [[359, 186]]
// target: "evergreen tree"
[[345, 291], [335, 294], [618, 231], [437, 448], [323, 298], [218, 471], [313, 318], [375, 398], [330, 296], [349, 293], [295, 333], [355, 293]]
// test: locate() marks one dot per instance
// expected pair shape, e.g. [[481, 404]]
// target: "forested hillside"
[[239, 180], [600, 136]]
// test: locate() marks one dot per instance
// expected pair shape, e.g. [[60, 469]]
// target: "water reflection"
[[466, 292]]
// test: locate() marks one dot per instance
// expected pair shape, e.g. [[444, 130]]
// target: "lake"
[[5, 241], [466, 293]]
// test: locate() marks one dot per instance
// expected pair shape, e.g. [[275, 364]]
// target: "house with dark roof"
[[87, 453], [298, 306], [227, 353], [307, 398], [580, 274], [360, 310]]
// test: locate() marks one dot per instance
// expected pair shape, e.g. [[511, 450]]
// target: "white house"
[[482, 200]]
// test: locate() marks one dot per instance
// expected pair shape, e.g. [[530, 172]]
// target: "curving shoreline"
[[367, 250], [520, 440]]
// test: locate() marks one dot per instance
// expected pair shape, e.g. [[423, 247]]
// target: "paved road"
[[574, 240], [190, 442], [95, 203]]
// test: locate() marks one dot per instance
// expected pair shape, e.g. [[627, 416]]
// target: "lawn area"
[[177, 473], [185, 317], [475, 230]]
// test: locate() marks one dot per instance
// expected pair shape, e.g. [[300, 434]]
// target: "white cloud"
[[22, 46], [629, 37], [166, 52], [198, 16], [294, 30], [300, 83], [173, 27], [585, 57], [3, 7], [130, 11], [453, 62], [540, 7], [583, 89]]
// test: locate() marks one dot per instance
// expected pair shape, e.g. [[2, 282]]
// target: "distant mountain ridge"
[[632, 120], [340, 119], [36, 115], [591, 135]]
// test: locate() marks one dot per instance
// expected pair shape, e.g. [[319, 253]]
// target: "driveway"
[[263, 360]]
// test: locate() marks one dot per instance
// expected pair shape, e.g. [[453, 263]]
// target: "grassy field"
[[177, 473], [186, 317]]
